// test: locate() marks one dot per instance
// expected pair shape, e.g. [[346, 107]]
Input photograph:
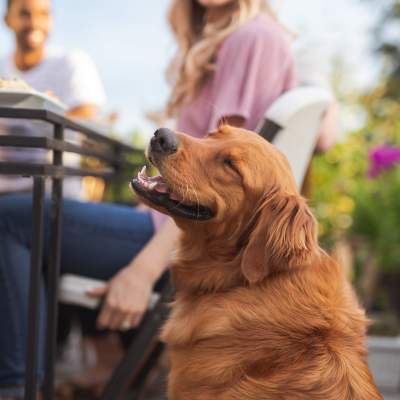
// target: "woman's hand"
[[127, 296]]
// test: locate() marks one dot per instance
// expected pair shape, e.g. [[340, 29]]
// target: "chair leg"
[[140, 380], [140, 351]]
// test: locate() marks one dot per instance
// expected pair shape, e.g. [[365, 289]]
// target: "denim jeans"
[[97, 241]]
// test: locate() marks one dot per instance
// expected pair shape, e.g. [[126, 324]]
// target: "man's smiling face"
[[31, 22]]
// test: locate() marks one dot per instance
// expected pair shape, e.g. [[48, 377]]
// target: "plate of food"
[[16, 93]]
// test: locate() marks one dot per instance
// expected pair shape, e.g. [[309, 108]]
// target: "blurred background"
[[131, 45], [354, 188]]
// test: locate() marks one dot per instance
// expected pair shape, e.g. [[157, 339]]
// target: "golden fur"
[[261, 312]]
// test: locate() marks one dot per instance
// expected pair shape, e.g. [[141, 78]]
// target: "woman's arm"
[[128, 292], [329, 129]]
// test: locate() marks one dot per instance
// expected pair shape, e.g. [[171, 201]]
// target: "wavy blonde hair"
[[198, 42]]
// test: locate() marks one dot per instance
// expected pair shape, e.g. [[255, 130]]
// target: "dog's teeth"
[[143, 171]]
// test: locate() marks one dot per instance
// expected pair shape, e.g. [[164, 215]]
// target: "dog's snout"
[[164, 142]]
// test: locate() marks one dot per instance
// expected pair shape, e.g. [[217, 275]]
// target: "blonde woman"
[[233, 61]]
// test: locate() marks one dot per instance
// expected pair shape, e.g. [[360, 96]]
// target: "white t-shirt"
[[74, 79]]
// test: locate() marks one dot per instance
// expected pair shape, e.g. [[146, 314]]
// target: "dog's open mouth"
[[157, 191]]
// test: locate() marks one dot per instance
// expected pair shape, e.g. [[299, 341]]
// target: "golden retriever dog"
[[261, 311]]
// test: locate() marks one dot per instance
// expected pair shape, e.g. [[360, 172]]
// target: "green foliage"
[[336, 175], [376, 217], [118, 191], [350, 205]]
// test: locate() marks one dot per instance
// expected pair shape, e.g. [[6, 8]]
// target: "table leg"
[[34, 289], [53, 275]]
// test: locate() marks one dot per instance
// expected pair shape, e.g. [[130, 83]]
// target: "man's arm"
[[84, 111], [84, 91]]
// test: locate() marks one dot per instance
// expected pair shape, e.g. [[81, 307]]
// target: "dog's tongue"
[[173, 197], [161, 187], [156, 183], [164, 188]]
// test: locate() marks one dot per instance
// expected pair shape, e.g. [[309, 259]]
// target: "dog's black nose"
[[164, 142]]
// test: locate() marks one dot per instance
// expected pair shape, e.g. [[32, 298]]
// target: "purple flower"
[[382, 158]]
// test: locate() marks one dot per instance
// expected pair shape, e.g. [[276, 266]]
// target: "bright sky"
[[131, 45]]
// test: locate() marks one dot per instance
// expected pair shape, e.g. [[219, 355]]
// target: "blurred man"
[[70, 76]]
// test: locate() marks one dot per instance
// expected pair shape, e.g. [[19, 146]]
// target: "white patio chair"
[[292, 124]]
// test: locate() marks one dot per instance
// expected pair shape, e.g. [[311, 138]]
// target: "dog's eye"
[[231, 164], [228, 162]]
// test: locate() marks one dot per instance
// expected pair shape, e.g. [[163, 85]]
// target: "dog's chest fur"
[[220, 342], [199, 334]]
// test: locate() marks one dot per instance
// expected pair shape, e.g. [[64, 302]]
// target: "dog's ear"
[[285, 236]]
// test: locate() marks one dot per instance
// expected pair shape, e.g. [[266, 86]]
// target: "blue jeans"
[[97, 241]]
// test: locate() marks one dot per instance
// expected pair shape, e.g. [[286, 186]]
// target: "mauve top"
[[254, 66]]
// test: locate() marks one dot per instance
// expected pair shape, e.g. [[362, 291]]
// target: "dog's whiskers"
[[197, 200], [185, 190], [180, 188]]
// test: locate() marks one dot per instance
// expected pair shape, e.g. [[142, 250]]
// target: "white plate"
[[19, 98]]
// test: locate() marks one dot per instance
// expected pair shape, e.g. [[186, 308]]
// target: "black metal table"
[[112, 153]]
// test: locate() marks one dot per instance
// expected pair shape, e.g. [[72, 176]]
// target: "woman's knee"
[[15, 210]]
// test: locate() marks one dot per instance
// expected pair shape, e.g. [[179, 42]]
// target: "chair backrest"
[[292, 124]]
